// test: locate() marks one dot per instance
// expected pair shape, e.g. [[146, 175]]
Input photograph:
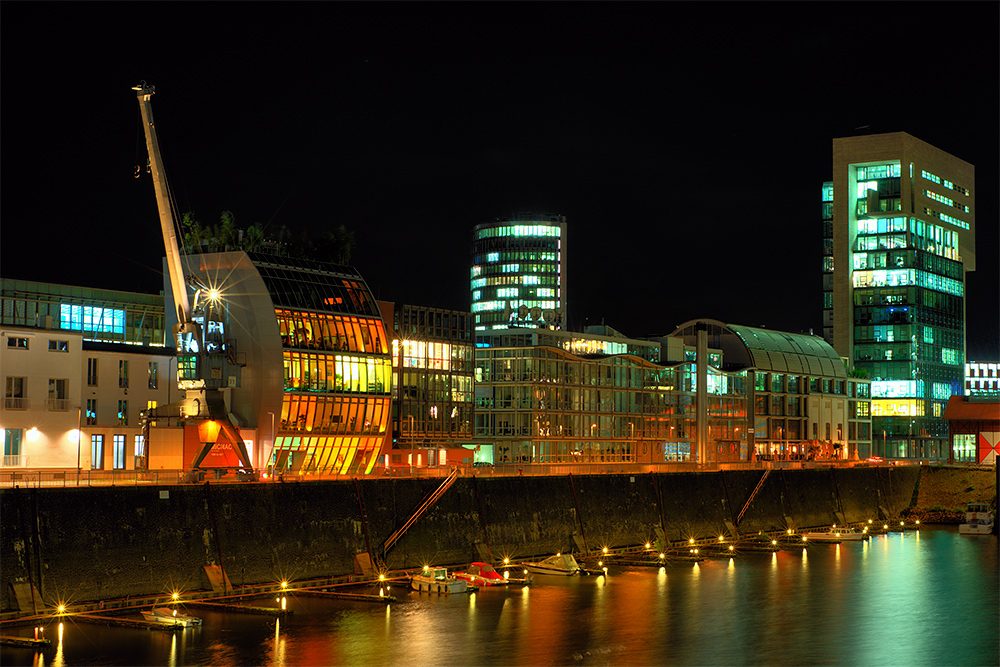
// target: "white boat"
[[563, 565], [978, 520], [836, 534], [170, 617], [436, 580]]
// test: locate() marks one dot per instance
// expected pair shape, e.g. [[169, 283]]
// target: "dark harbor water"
[[927, 598]]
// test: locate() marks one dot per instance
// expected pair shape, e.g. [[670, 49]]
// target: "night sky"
[[686, 143]]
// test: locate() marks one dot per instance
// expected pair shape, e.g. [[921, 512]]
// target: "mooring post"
[[579, 515], [659, 507], [482, 516], [215, 529], [374, 558]]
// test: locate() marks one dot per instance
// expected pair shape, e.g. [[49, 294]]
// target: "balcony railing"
[[58, 404], [15, 403], [15, 460]]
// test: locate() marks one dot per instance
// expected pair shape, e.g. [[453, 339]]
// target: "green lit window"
[[950, 356], [946, 200], [930, 177], [878, 171], [493, 257], [942, 390]]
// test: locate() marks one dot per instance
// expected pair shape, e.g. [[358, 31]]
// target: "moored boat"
[[437, 580], [167, 616], [836, 534], [484, 574], [561, 565], [978, 520]]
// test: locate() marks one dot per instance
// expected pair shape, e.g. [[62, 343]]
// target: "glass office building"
[[903, 237], [432, 357], [518, 272], [309, 362], [559, 397]]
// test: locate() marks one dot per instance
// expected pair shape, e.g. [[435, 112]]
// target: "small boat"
[[563, 565], [836, 534], [978, 520], [484, 574], [436, 580], [170, 617]]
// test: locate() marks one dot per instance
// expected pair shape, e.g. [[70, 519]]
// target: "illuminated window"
[[493, 257], [88, 318], [891, 170], [118, 452], [91, 411], [97, 452]]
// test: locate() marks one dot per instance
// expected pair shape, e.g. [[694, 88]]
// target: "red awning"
[[960, 408]]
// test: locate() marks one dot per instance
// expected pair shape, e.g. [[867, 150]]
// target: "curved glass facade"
[[336, 367]]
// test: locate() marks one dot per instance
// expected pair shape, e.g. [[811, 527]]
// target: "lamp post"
[[271, 453], [79, 437]]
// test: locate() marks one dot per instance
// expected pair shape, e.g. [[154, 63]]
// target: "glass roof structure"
[[790, 353], [303, 284], [767, 350]]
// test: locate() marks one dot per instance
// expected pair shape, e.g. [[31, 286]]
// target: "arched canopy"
[[765, 349]]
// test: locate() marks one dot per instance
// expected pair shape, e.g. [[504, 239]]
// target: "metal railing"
[[15, 460], [58, 404], [23, 477]]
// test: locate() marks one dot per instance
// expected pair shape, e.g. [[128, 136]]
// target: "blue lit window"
[[89, 318]]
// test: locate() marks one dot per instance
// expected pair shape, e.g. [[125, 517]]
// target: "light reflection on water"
[[928, 598]]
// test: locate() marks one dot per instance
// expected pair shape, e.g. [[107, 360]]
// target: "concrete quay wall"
[[83, 544]]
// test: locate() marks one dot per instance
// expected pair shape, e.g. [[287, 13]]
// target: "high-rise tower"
[[903, 236], [518, 276]]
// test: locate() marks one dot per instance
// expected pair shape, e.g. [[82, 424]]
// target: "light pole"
[[271, 453], [79, 437]]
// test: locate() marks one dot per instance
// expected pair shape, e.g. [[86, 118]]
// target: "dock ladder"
[[746, 505], [424, 506]]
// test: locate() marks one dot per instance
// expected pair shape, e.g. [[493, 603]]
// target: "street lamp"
[[271, 453]]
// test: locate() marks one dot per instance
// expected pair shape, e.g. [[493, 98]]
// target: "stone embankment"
[[943, 492], [101, 543]]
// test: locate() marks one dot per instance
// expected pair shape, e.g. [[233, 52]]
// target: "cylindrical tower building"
[[518, 272]]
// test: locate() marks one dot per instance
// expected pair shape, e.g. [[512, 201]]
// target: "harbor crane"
[[199, 332]]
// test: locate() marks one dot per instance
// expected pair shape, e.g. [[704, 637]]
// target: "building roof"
[[790, 353], [961, 408], [767, 350]]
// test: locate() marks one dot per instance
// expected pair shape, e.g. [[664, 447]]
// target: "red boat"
[[483, 574]]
